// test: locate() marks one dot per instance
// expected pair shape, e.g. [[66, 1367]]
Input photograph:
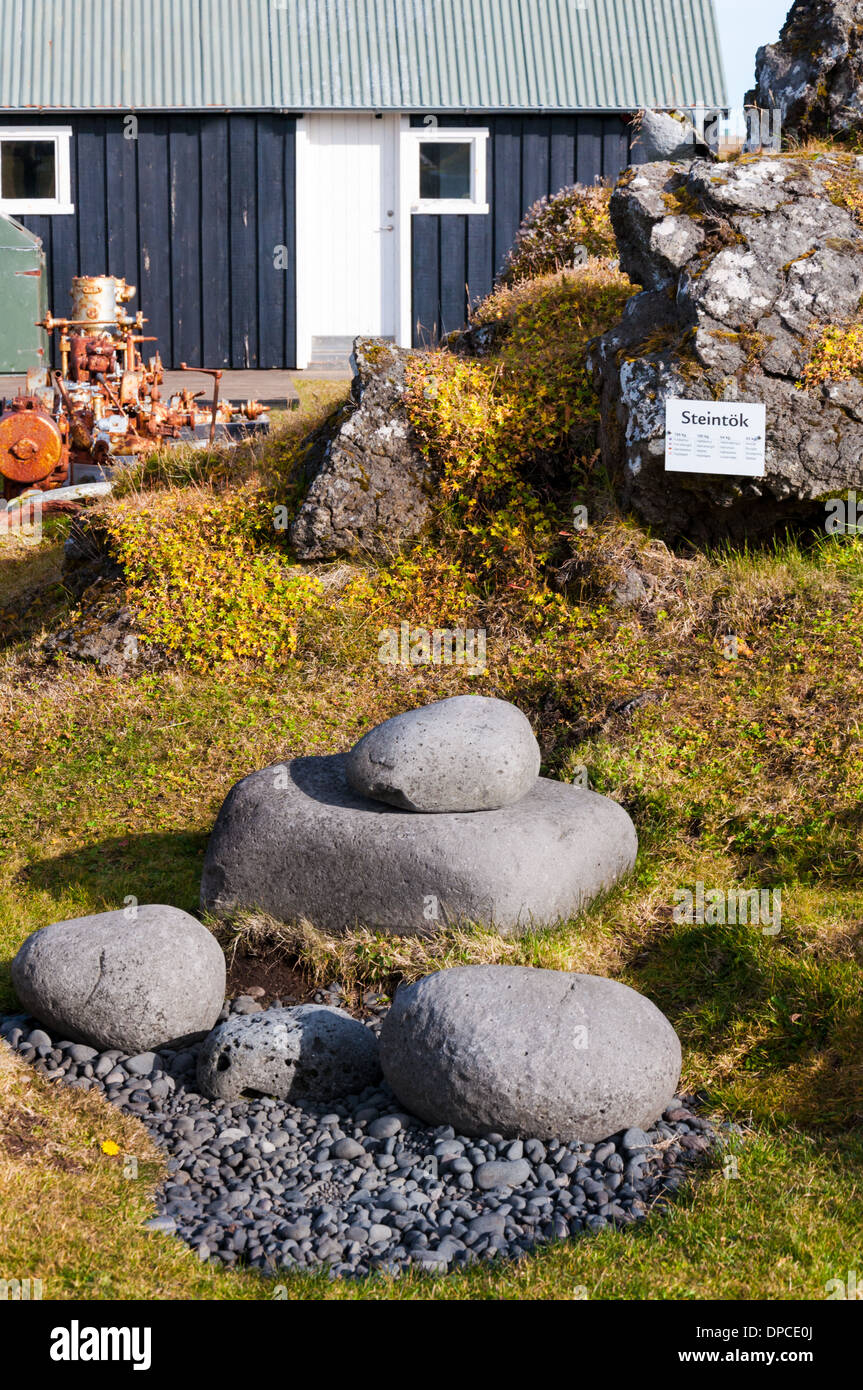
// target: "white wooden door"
[[347, 229]]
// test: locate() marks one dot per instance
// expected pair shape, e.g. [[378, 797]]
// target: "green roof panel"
[[405, 55]]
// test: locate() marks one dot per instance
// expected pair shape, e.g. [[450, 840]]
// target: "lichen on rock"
[[814, 74], [744, 266], [370, 491]]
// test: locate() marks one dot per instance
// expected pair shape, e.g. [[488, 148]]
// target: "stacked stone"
[[436, 816], [479, 1121]]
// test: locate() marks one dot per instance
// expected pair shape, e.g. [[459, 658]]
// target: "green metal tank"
[[23, 299]]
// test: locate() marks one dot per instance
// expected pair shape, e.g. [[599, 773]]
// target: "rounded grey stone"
[[311, 1052], [387, 1127], [117, 982], [347, 1148], [502, 1173], [296, 841], [468, 753], [142, 1065], [524, 1052], [634, 1140]]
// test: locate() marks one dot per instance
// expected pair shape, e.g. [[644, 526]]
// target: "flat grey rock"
[[469, 753], [516, 1051], [295, 840], [135, 984], [311, 1052]]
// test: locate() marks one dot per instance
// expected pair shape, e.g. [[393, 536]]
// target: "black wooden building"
[[277, 176]]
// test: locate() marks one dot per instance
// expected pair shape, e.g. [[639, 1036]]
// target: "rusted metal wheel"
[[31, 445]]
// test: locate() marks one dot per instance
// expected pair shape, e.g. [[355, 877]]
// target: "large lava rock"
[[814, 74], [522, 1052], [297, 841], [661, 136], [468, 753], [740, 263], [312, 1053], [371, 491], [134, 982]]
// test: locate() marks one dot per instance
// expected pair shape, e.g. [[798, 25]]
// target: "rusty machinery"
[[104, 405]]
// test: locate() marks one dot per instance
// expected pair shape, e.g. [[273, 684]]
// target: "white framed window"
[[444, 169], [35, 175]]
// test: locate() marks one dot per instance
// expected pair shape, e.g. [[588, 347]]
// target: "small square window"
[[28, 169], [34, 170], [445, 170]]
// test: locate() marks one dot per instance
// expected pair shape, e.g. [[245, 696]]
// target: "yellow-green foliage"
[[209, 579], [837, 355], [845, 189], [206, 578], [555, 227], [497, 426]]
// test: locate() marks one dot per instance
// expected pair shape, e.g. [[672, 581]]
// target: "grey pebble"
[[360, 1186]]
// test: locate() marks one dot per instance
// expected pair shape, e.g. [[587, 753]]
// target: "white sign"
[[725, 437]]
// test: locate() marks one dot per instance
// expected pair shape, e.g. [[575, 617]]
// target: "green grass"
[[741, 774]]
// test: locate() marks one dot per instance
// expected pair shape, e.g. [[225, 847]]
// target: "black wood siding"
[[455, 259], [191, 212]]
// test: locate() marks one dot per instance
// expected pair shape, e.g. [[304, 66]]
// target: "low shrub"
[[555, 227], [512, 434], [206, 577]]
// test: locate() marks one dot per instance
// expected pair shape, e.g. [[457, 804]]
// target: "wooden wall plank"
[[615, 148], [453, 274], [562, 162], [535, 161], [121, 201], [215, 250], [243, 168], [188, 250], [272, 281], [505, 196], [92, 195], [589, 149], [154, 225], [425, 265], [289, 206]]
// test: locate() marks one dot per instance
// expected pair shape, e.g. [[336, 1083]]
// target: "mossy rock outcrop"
[[814, 74], [370, 492], [744, 266]]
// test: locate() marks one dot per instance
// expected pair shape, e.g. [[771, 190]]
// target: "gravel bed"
[[360, 1186]]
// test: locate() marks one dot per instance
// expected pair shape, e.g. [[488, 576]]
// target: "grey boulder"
[[372, 485], [814, 73], [113, 981], [661, 136], [296, 841], [469, 753], [524, 1052], [310, 1053], [744, 265]]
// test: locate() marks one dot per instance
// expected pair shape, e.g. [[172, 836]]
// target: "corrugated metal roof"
[[409, 55]]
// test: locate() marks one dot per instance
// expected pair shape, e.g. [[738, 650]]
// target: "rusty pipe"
[[217, 377]]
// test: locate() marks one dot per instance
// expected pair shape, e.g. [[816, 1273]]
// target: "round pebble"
[[357, 1185]]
